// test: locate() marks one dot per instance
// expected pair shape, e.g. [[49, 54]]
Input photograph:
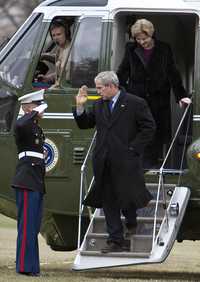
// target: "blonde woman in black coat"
[[148, 71]]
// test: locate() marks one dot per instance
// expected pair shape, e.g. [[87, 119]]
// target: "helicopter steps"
[[139, 247]]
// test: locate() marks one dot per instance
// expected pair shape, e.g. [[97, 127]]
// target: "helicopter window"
[[7, 106], [55, 52], [76, 61], [79, 3], [19, 58], [84, 58]]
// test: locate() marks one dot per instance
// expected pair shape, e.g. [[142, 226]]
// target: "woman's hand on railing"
[[185, 101]]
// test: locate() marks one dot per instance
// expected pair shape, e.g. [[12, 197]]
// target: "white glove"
[[41, 108]]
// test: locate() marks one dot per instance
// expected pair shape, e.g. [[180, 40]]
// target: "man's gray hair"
[[107, 77]]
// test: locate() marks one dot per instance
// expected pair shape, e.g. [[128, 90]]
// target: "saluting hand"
[[82, 96]]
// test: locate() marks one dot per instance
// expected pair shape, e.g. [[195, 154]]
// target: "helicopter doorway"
[[177, 30]]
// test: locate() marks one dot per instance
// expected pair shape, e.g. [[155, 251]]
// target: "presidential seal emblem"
[[51, 154]]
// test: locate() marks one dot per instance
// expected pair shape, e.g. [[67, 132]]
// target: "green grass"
[[62, 273]]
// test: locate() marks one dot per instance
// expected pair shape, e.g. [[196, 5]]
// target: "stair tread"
[[165, 184], [159, 202], [105, 235], [139, 218], [116, 254], [155, 185], [165, 171]]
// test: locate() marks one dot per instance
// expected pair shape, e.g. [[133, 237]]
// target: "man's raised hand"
[[82, 96]]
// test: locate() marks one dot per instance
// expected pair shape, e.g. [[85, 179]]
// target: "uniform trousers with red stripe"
[[29, 216]]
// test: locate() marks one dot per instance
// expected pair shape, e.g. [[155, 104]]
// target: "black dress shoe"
[[112, 247], [131, 230]]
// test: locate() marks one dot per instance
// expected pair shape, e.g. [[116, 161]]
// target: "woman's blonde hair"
[[142, 26]]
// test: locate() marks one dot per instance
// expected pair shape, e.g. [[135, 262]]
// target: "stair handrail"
[[161, 182], [82, 185]]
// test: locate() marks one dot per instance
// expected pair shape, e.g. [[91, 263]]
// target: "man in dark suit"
[[28, 182], [122, 133]]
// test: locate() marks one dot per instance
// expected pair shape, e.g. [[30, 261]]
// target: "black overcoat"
[[152, 81], [121, 137], [30, 171]]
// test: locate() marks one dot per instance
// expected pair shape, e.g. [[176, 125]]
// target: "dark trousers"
[[114, 223], [29, 215], [113, 211]]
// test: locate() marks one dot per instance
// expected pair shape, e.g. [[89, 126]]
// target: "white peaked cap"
[[36, 96]]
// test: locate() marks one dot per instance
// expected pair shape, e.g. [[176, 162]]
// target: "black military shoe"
[[30, 274], [112, 247], [126, 245], [34, 274]]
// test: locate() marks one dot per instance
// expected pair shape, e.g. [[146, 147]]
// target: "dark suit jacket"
[[121, 138]]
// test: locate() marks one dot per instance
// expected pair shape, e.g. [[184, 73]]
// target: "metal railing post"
[[82, 182], [161, 183], [80, 205]]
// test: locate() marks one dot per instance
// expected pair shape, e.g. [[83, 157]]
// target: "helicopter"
[[99, 31]]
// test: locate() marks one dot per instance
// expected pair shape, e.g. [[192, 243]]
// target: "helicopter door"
[[66, 145]]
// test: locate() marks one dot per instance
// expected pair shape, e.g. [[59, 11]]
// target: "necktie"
[[110, 104]]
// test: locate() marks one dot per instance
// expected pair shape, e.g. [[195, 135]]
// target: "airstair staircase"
[[157, 224]]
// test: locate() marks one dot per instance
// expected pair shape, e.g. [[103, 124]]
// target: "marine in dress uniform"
[[28, 182]]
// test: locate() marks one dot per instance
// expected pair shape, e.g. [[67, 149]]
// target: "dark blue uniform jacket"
[[30, 171]]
